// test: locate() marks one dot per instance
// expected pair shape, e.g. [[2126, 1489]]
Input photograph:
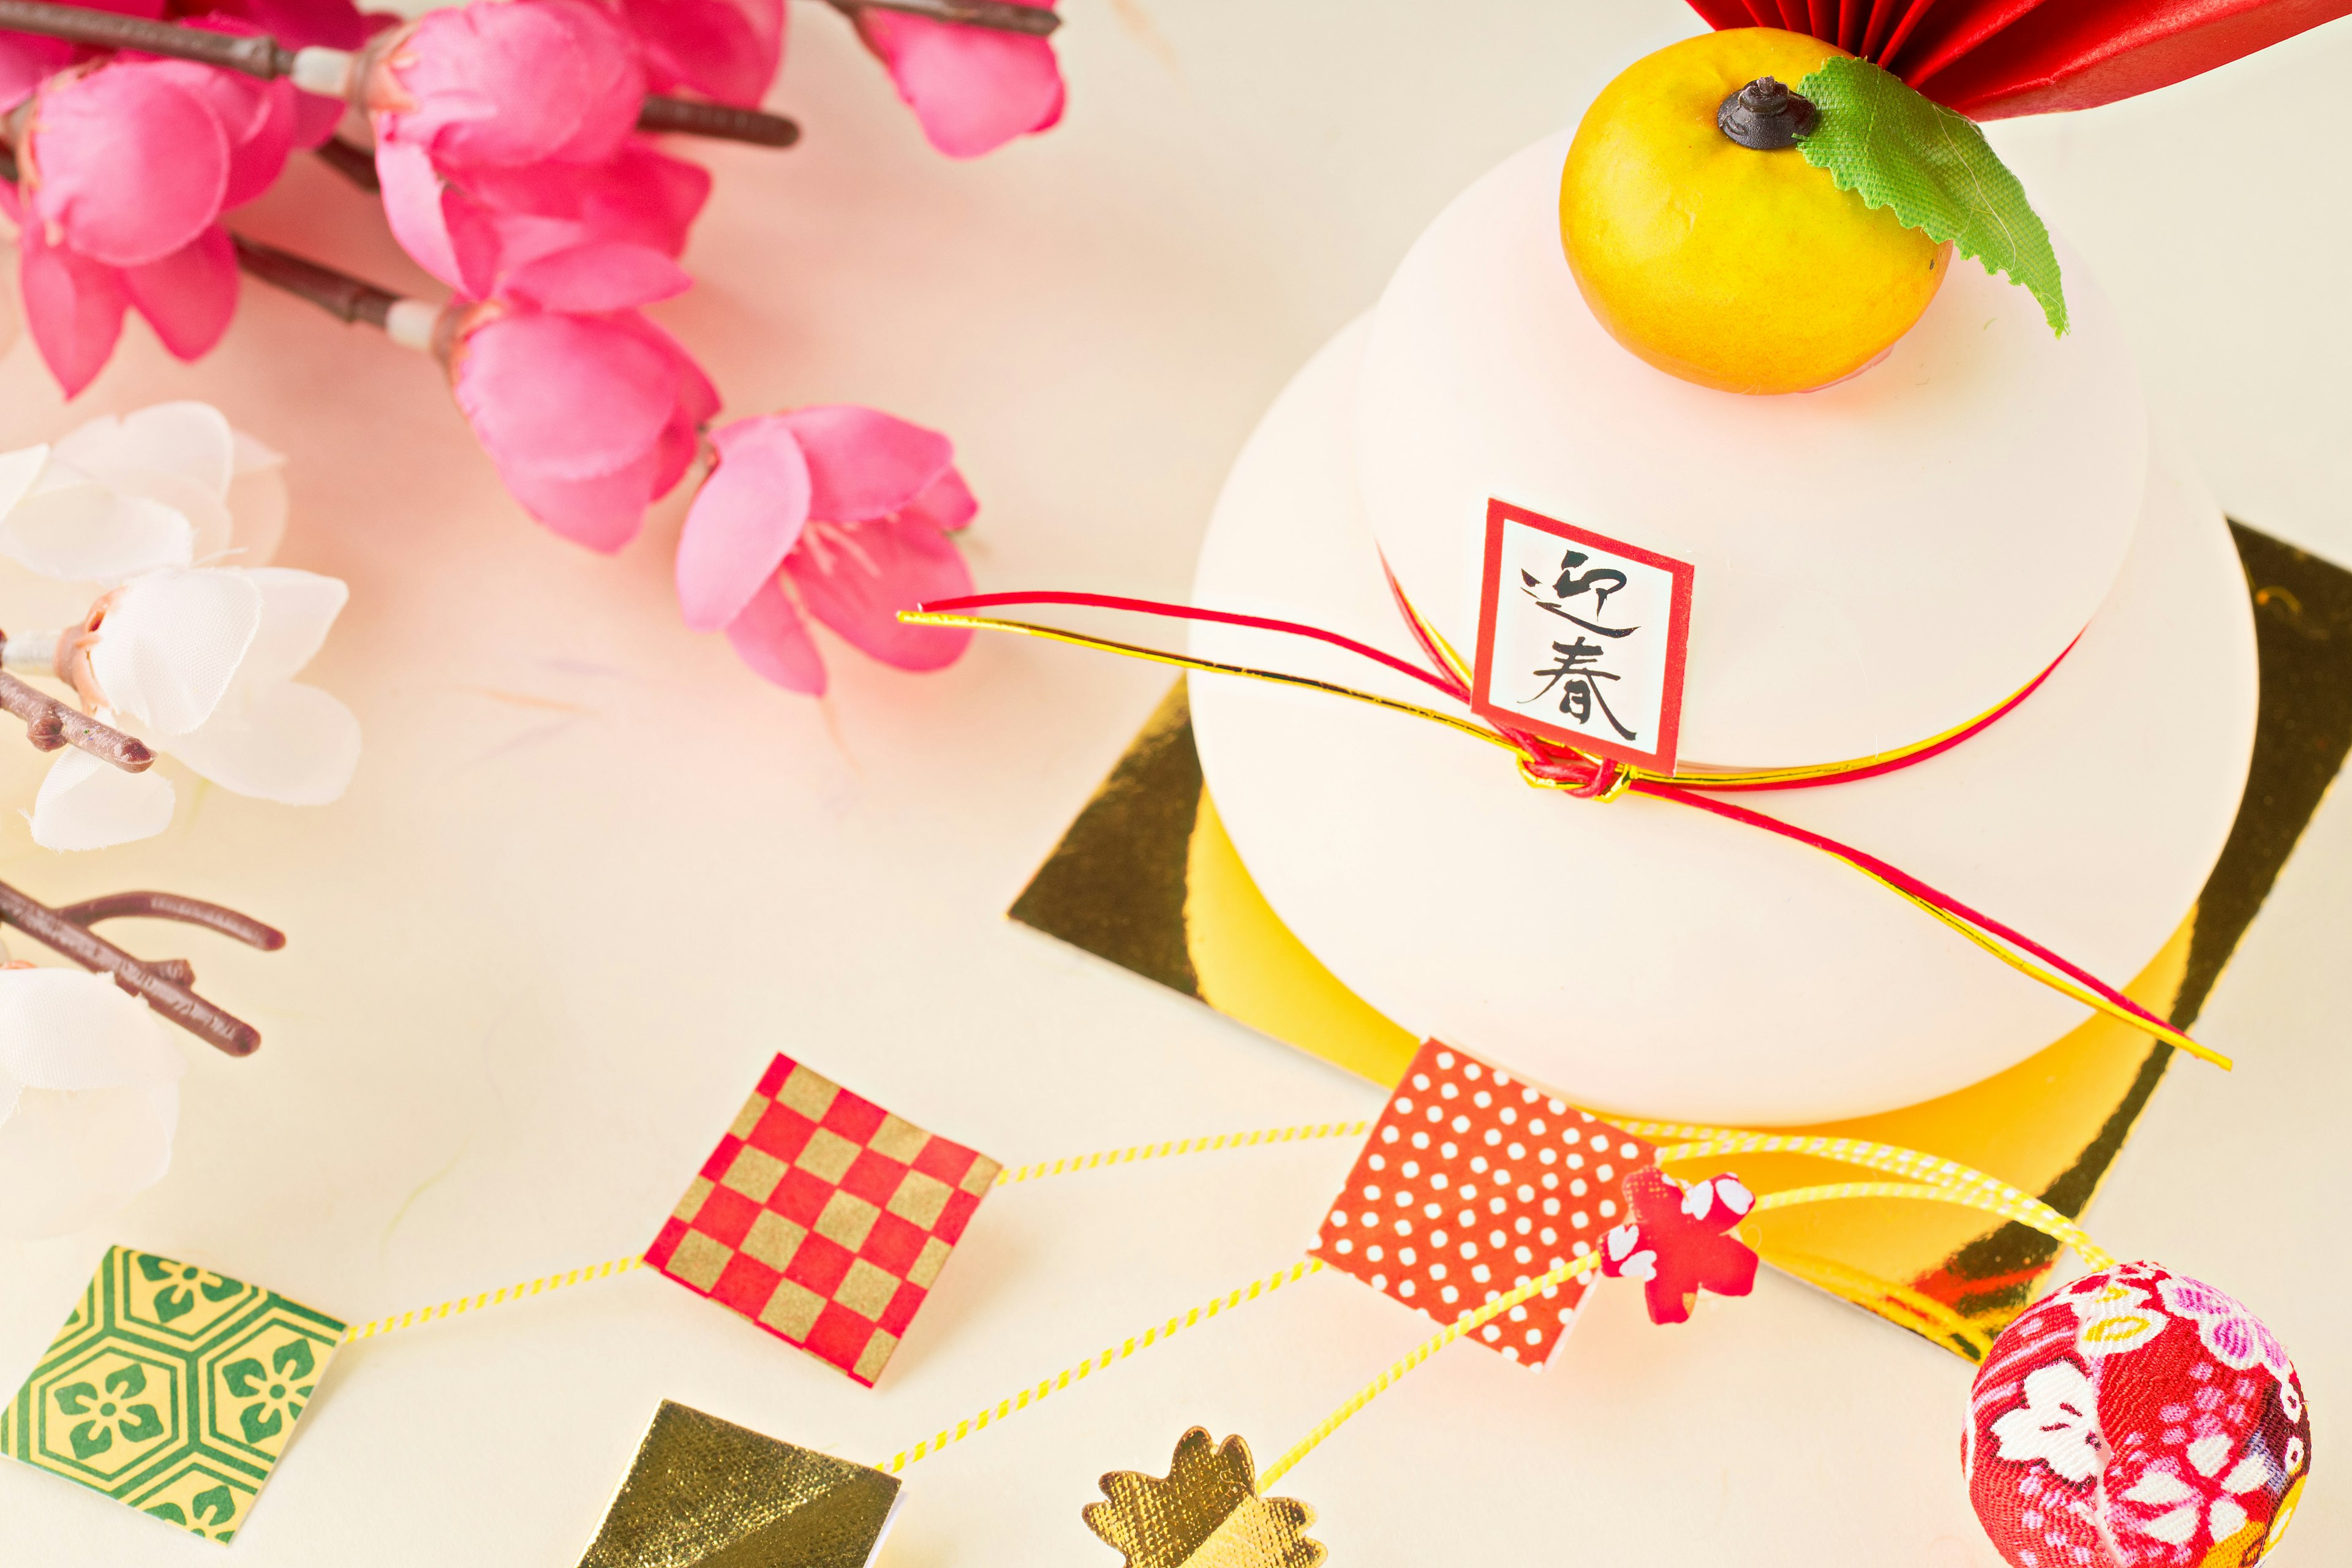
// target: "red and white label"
[[1582, 639]]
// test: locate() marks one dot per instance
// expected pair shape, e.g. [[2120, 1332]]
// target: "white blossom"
[[196, 659], [90, 1098]]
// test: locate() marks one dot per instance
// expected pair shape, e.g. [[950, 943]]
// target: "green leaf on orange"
[[1897, 148]]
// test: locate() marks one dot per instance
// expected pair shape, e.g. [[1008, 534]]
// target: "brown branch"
[[173, 907], [252, 54], [693, 116], [356, 165], [164, 985], [998, 14], [50, 724], [337, 293]]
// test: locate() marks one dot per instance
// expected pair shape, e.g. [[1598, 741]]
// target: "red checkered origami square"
[[823, 1219], [1472, 1183]]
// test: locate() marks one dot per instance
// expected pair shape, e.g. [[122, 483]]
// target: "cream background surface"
[[592, 872]]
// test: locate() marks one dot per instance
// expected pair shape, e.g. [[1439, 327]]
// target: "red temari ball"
[[2137, 1418]]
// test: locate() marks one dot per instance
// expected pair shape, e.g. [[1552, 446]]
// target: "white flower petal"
[[85, 804], [95, 446], [2224, 1520], [297, 609], [253, 454], [191, 441], [291, 744], [89, 1095], [18, 470], [209, 522], [173, 643], [82, 532], [256, 505], [65, 1030]]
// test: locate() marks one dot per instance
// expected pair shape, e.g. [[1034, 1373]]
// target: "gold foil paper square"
[[706, 1492]]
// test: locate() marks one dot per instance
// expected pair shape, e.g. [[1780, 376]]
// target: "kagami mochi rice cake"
[[1864, 567]]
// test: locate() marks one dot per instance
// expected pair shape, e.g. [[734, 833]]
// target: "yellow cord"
[[948, 1435], [1979, 1197], [1898, 1161], [537, 1287], [1467, 1323], [1301, 1133]]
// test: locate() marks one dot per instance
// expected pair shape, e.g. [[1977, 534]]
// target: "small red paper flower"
[[1679, 1242]]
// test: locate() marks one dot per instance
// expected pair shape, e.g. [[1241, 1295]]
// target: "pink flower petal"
[[598, 276], [258, 117], [974, 88], [330, 23], [513, 83], [74, 308], [771, 638], [724, 49], [443, 230], [949, 505], [639, 195], [856, 578], [127, 162], [568, 397], [25, 62], [190, 295], [603, 512], [744, 522], [864, 463]]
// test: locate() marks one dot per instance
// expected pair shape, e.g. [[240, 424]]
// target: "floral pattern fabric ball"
[[2137, 1419]]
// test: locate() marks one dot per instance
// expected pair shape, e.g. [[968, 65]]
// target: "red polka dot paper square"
[[1474, 1183], [823, 1219]]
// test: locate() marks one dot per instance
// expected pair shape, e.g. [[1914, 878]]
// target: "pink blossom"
[[852, 508], [27, 60], [126, 169], [723, 49], [974, 88], [588, 418], [493, 224], [508, 83], [297, 24]]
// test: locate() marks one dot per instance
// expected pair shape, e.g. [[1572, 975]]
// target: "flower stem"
[[253, 53], [49, 725], [162, 985], [338, 293], [999, 14], [353, 163], [693, 116]]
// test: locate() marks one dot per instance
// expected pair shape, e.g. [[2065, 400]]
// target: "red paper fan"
[[1994, 58]]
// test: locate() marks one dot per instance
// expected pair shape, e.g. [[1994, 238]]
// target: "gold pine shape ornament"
[[1205, 1513]]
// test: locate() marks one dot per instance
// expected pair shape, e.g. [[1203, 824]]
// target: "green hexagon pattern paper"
[[173, 1389]]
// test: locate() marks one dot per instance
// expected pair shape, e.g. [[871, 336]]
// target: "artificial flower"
[[724, 50], [1680, 1241], [612, 230], [169, 485], [849, 506], [199, 662], [90, 1098], [590, 418], [27, 60], [126, 167], [973, 89], [508, 83]]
